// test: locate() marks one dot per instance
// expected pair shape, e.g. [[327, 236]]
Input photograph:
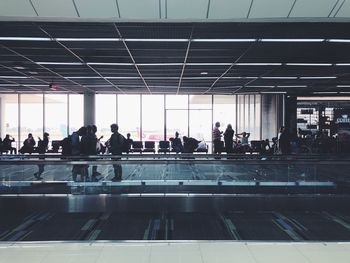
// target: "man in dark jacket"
[[116, 143]]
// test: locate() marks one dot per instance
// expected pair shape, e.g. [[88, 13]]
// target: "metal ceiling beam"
[[81, 60], [16, 83], [230, 67], [24, 74], [132, 58], [185, 60], [32, 61]]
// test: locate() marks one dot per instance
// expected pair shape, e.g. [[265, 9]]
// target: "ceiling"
[[176, 58], [173, 9]]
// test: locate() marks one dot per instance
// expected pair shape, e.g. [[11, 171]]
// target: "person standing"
[[42, 148], [284, 141], [116, 143], [228, 138], [217, 138], [76, 151]]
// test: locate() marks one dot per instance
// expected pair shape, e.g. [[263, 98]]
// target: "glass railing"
[[171, 174]]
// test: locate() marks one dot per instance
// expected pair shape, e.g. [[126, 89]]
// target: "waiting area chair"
[[164, 147], [149, 147], [137, 146]]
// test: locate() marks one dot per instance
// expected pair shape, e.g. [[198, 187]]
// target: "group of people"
[[85, 142], [230, 145]]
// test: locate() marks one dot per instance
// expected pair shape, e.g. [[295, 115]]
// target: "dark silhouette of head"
[[82, 131], [217, 124], [128, 135], [114, 127]]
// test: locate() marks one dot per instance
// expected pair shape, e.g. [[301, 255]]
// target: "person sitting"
[[244, 140], [127, 143], [7, 144], [176, 144], [28, 145], [190, 144]]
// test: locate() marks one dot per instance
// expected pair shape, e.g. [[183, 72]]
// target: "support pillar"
[[89, 109]]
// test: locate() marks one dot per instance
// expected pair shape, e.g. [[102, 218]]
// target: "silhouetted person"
[[127, 143], [284, 141], [190, 144], [244, 136], [217, 138], [265, 147], [28, 144], [76, 151], [228, 138], [116, 143], [7, 144], [41, 149], [95, 149], [176, 144]]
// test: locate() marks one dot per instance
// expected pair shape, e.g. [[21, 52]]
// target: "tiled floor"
[[169, 252]]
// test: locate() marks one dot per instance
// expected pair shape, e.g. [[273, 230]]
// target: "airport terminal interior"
[[174, 130]]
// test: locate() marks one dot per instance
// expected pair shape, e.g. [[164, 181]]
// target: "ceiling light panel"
[[263, 8], [228, 9], [312, 8], [97, 9], [50, 8]]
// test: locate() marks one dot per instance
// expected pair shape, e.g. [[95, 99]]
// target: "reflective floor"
[[237, 225]]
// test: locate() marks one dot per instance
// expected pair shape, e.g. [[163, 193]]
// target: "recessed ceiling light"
[[33, 72], [339, 40], [308, 64], [224, 40], [60, 63], [18, 67], [292, 40], [333, 77], [13, 77], [204, 73], [26, 38]]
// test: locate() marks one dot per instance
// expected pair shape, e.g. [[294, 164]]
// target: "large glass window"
[[176, 115], [56, 116], [31, 111], [176, 102], [152, 117], [200, 125], [200, 102], [76, 112], [129, 115], [106, 114], [176, 121], [240, 114], [224, 111], [258, 117], [9, 116]]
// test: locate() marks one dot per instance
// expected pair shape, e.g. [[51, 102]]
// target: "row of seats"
[[137, 147]]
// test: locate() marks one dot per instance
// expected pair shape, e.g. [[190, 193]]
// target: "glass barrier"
[[204, 174]]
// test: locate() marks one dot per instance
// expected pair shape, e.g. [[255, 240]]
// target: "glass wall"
[[176, 115], [106, 114], [152, 117], [9, 116], [31, 116], [56, 116], [224, 111], [129, 116], [145, 117], [76, 112]]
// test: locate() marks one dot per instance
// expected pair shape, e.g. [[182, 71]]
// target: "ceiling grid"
[[149, 57]]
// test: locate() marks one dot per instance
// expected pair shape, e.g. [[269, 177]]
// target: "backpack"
[[66, 144]]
